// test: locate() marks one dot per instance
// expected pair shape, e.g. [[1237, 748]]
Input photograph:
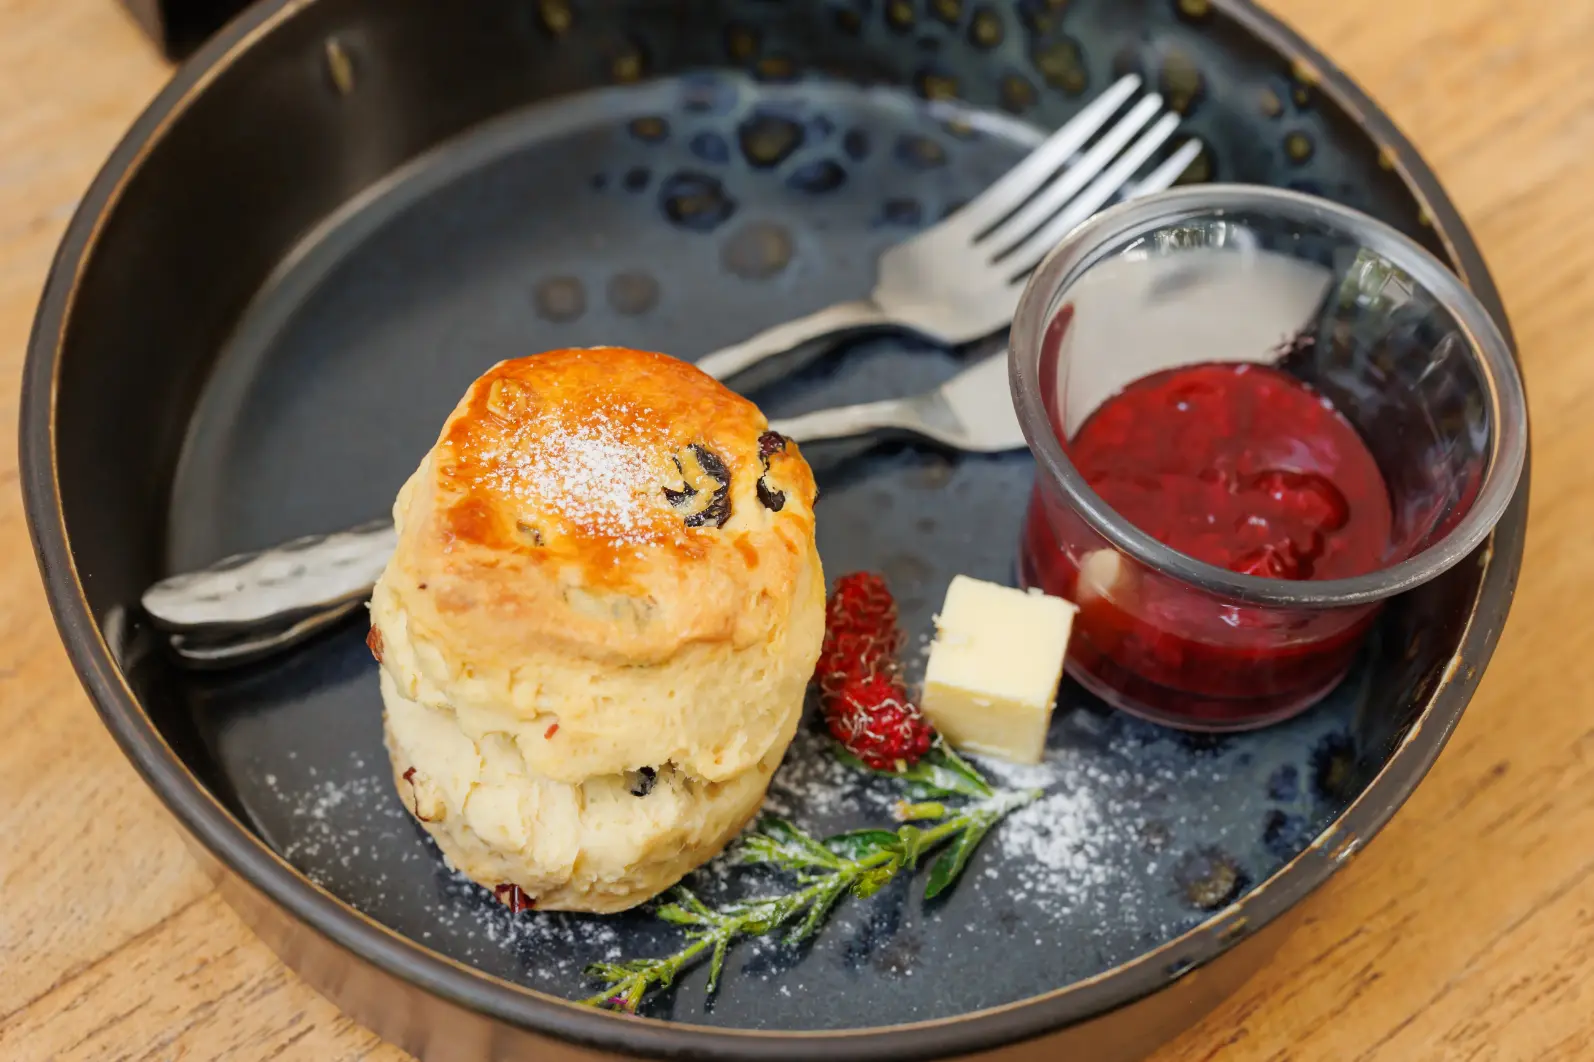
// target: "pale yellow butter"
[[995, 666]]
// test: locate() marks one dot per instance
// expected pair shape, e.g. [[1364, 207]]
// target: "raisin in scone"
[[605, 586]]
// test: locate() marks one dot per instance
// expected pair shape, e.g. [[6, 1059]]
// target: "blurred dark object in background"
[[180, 26]]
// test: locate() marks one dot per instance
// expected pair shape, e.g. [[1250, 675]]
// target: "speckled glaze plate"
[[341, 212]]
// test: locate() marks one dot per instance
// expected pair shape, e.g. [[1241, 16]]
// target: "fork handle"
[[322, 573], [842, 422], [239, 609], [840, 317], [317, 573], [318, 576]]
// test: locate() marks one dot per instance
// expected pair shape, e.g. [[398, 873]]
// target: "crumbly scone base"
[[592, 846]]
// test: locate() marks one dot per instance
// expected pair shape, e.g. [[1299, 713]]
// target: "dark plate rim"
[[244, 854]]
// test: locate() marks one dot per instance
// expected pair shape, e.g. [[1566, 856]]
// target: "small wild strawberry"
[[874, 719], [865, 705], [861, 635]]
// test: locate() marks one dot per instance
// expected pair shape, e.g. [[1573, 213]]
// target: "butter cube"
[[995, 666]]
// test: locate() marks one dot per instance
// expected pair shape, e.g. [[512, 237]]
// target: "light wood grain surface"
[[1466, 931]]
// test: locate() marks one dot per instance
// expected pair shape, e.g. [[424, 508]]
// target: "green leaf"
[[921, 812], [943, 773], [960, 766], [780, 830], [912, 840], [758, 850], [873, 880], [759, 916], [861, 862], [940, 773], [950, 863], [615, 972], [717, 964], [675, 914], [818, 909], [687, 899], [857, 844], [778, 841]]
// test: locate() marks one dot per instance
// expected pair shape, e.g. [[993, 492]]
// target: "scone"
[[605, 583]]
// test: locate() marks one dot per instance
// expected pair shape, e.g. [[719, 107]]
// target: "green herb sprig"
[[859, 863]]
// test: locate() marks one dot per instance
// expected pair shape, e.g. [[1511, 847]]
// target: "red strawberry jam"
[[1246, 468]]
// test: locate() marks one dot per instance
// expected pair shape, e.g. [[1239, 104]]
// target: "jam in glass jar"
[[1256, 416]]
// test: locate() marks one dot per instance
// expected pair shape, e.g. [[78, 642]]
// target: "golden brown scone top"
[[604, 495]]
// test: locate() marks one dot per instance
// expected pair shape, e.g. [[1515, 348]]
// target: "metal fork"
[[956, 282], [252, 605], [960, 280], [973, 412]]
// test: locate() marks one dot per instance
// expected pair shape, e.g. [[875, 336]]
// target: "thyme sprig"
[[859, 863]]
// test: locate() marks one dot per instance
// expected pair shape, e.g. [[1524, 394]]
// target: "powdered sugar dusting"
[[1055, 852], [812, 785], [1056, 855], [348, 830], [1082, 878], [602, 474]]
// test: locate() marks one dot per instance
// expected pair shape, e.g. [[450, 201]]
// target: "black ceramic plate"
[[336, 218]]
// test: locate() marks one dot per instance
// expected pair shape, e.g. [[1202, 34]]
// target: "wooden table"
[[1465, 932]]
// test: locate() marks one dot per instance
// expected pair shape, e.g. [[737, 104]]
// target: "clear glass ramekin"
[[1343, 302]]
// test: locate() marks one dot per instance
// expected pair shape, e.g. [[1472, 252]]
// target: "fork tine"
[[1027, 255], [1037, 211], [1163, 176], [1019, 183]]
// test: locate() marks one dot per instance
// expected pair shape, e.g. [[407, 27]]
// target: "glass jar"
[[1348, 306]]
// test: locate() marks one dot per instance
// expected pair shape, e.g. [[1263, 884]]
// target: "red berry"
[[850, 656], [865, 705], [874, 719], [861, 602], [861, 636]]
